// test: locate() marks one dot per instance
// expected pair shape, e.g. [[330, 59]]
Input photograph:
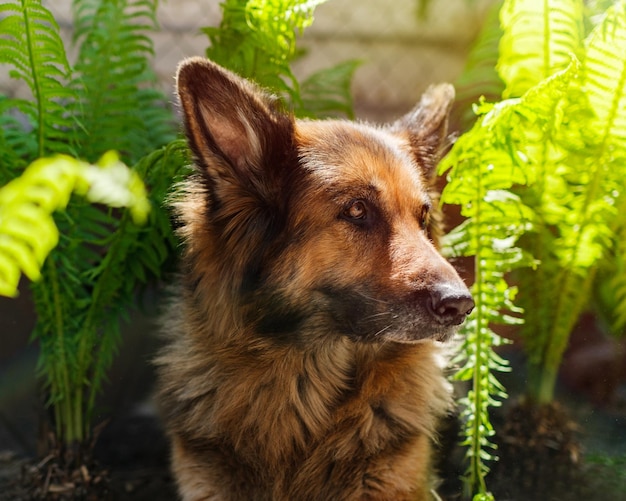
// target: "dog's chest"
[[287, 415]]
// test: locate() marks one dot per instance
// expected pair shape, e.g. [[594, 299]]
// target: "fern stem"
[[544, 382], [85, 360], [540, 247], [36, 83], [83, 363], [77, 405], [537, 324], [477, 478], [559, 336], [477, 383], [63, 393]]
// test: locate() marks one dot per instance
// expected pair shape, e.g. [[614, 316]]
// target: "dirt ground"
[[131, 456]]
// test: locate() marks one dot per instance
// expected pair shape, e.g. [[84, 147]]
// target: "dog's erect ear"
[[234, 129], [427, 126]]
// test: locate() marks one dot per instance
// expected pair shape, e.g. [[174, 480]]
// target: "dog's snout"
[[450, 305]]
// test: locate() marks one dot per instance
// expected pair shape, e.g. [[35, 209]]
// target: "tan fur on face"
[[302, 362]]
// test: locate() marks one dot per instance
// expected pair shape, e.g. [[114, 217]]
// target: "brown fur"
[[304, 358]]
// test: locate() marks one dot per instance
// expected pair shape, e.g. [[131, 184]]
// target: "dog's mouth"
[[429, 314], [409, 334], [412, 327]]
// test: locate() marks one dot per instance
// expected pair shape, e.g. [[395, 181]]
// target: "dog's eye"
[[356, 211], [424, 216]]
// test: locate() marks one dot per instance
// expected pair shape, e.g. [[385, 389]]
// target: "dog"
[[304, 340]]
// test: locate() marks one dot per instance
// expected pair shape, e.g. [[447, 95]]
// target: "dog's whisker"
[[371, 298], [379, 315], [383, 330]]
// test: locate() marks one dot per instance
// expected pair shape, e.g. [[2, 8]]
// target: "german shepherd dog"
[[304, 356]]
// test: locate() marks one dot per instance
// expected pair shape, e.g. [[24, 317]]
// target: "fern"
[[31, 45], [327, 92], [609, 294], [485, 164], [103, 258], [257, 40], [561, 156], [112, 69], [135, 255], [16, 145], [605, 76], [579, 178], [539, 38], [27, 230], [587, 235], [105, 101]]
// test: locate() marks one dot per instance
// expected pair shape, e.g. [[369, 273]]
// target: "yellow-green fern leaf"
[[605, 74], [27, 230], [539, 38]]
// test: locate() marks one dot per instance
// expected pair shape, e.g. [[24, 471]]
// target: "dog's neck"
[[308, 393]]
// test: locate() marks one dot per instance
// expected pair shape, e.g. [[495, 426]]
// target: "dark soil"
[[540, 452], [542, 455], [130, 463]]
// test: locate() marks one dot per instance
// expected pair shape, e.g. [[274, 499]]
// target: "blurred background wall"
[[401, 52]]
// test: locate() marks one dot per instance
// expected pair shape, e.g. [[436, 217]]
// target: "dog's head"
[[318, 227]]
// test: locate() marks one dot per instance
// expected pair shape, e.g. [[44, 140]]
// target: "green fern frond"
[[104, 257], [556, 168], [485, 164], [88, 279], [609, 294], [327, 92], [257, 40], [135, 254], [563, 151], [117, 107], [539, 39], [16, 145], [586, 234], [32, 47], [27, 230], [158, 124], [605, 75]]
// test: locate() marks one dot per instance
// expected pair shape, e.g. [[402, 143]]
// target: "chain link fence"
[[401, 53]]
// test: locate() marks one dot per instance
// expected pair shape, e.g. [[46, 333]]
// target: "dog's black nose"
[[450, 305]]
